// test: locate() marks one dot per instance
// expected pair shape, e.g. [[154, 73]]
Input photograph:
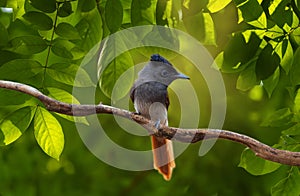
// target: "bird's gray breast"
[[151, 101]]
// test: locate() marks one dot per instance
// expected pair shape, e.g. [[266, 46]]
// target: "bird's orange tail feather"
[[163, 156]]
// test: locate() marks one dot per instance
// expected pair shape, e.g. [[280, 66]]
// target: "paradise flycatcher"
[[150, 97]]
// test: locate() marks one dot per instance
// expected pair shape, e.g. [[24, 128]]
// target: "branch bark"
[[183, 135]]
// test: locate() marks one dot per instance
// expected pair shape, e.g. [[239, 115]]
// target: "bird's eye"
[[164, 73]]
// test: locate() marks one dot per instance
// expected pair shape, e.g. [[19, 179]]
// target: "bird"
[[150, 98]]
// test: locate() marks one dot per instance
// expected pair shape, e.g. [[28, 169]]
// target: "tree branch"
[[183, 135]]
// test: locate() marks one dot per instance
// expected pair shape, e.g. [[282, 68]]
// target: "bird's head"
[[160, 70]]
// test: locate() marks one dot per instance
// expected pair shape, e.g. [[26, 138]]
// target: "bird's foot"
[[157, 124], [158, 127]]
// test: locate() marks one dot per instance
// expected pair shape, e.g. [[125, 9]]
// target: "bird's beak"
[[182, 76]]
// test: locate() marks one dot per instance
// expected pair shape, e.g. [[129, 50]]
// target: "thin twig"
[[183, 135]]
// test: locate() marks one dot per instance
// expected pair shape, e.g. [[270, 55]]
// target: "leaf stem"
[[50, 45]]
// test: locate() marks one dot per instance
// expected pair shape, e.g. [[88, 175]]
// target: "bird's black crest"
[[158, 58]]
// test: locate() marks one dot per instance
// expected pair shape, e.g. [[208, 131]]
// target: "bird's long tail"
[[163, 156]]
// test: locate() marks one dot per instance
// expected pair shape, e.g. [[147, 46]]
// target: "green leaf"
[[113, 15], [217, 5], [294, 130], [256, 93], [252, 13], [278, 118], [86, 5], [288, 186], [271, 82], [247, 78], [39, 20], [281, 12], [20, 70], [143, 12], [18, 7], [62, 48], [248, 33], [66, 97], [290, 143], [65, 9], [164, 15], [296, 117], [204, 31], [295, 70], [18, 28], [6, 17], [297, 102], [66, 30], [110, 72], [48, 133], [90, 29], [285, 52], [3, 35], [219, 61], [295, 35], [197, 31], [256, 165], [15, 124], [9, 97], [267, 62], [230, 60], [295, 23], [61, 95], [77, 52], [192, 7], [162, 38], [66, 73], [297, 2], [210, 35], [48, 6], [274, 32], [67, 49], [27, 45], [9, 56]]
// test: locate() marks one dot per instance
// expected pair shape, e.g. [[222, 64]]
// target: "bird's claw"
[[157, 124]]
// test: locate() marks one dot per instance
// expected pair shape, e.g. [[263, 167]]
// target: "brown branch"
[[183, 135]]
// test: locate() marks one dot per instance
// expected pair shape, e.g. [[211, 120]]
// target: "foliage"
[[256, 47]]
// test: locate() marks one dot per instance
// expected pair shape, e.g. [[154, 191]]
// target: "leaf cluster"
[[268, 57]]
